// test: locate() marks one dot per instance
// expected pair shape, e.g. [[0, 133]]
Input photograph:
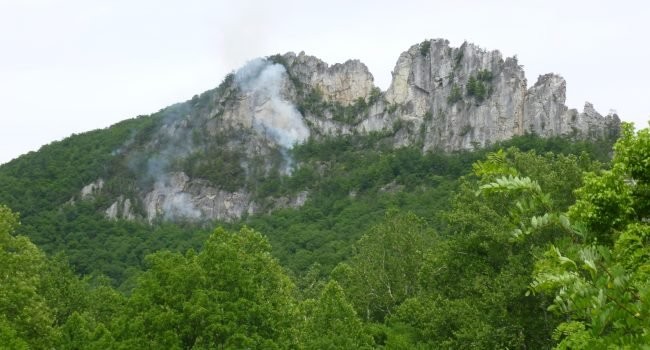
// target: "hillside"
[[490, 260], [285, 132], [214, 156], [457, 209]]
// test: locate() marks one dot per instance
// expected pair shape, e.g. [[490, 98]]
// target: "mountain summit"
[[203, 159]]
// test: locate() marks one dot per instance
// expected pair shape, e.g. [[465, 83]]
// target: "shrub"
[[477, 88], [455, 95], [425, 46], [484, 75], [465, 130]]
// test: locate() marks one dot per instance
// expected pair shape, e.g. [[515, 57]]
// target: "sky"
[[69, 66]]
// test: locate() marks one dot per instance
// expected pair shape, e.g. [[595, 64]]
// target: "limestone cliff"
[[466, 97], [342, 82], [204, 158]]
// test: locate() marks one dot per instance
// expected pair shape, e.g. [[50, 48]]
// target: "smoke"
[[173, 141], [156, 165], [180, 206], [262, 82]]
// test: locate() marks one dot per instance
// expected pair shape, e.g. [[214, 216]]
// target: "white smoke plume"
[[262, 81], [179, 205], [169, 199]]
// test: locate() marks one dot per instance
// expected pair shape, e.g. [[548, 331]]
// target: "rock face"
[[179, 198], [547, 115], [120, 209], [431, 82], [204, 157], [89, 190], [342, 82]]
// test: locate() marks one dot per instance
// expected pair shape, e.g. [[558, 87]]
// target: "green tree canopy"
[[384, 271], [330, 322], [600, 278], [25, 319], [231, 294]]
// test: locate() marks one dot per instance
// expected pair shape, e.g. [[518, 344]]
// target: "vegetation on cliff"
[[533, 243]]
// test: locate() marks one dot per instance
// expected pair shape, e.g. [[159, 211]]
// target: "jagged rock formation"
[[202, 160], [180, 198], [120, 209], [431, 81], [92, 188], [547, 115], [344, 83]]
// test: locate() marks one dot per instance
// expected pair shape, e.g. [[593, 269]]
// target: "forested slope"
[[350, 182], [536, 246]]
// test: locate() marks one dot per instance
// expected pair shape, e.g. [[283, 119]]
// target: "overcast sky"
[[69, 66]]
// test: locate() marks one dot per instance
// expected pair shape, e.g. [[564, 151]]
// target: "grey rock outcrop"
[[546, 114], [431, 85], [120, 209], [178, 197], [440, 98], [342, 82], [91, 189]]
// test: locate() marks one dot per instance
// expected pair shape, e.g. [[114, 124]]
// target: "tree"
[[232, 294], [472, 283], [25, 319], [601, 277], [330, 322], [384, 271]]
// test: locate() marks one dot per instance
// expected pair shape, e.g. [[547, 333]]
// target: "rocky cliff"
[[203, 159], [466, 97]]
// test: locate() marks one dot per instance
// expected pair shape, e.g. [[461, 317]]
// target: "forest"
[[531, 243]]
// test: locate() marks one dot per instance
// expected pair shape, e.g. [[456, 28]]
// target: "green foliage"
[[476, 88], [367, 275], [392, 108], [496, 164], [479, 86], [80, 332], [231, 294], [605, 201], [217, 164], [458, 58], [384, 269], [463, 288], [331, 323], [113, 248], [455, 95], [476, 274], [314, 104], [425, 47], [484, 75], [25, 319], [46, 179], [600, 282], [611, 199], [352, 180], [375, 95]]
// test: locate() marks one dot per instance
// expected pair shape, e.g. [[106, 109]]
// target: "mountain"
[[457, 209], [215, 156]]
